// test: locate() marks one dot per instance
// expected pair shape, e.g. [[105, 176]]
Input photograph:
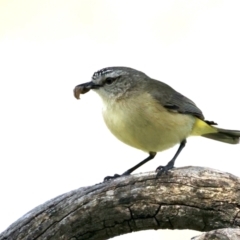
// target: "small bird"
[[149, 115]]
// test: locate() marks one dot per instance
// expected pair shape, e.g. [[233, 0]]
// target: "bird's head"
[[112, 82]]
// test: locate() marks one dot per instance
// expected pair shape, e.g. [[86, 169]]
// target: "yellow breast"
[[143, 123]]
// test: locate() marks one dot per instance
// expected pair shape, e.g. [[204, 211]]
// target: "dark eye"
[[109, 80]]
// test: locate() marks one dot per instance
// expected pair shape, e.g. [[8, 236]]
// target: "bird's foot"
[[109, 178], [164, 169]]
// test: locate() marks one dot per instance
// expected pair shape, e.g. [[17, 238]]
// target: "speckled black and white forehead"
[[102, 72], [114, 71]]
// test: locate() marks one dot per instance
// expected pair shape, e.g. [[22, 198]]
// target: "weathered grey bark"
[[222, 234], [187, 198]]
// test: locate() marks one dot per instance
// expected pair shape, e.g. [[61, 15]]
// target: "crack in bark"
[[156, 213], [170, 223], [235, 217]]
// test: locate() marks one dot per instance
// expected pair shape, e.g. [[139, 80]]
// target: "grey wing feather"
[[173, 100]]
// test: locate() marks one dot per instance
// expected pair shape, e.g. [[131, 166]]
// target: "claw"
[[163, 169], [109, 178]]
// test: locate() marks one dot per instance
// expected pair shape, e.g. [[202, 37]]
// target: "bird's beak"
[[83, 88]]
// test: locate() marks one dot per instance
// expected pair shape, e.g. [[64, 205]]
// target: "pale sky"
[[51, 143]]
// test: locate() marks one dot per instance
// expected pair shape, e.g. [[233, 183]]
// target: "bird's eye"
[[109, 80]]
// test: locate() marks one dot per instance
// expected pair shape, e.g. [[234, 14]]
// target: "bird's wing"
[[172, 100]]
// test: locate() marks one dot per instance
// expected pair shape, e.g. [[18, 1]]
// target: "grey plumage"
[[150, 115]]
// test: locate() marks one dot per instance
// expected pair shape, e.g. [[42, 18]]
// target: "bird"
[[149, 115]]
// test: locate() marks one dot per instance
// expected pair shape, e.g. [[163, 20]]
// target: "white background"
[[51, 143]]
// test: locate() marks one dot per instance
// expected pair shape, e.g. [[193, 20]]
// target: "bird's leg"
[[170, 165], [129, 171]]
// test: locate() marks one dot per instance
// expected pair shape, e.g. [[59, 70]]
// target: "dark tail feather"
[[224, 135]]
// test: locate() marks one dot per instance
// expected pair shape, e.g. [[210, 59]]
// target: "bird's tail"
[[224, 135], [205, 129]]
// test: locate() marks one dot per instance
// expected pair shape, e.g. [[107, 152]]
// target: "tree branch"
[[187, 198], [220, 234]]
